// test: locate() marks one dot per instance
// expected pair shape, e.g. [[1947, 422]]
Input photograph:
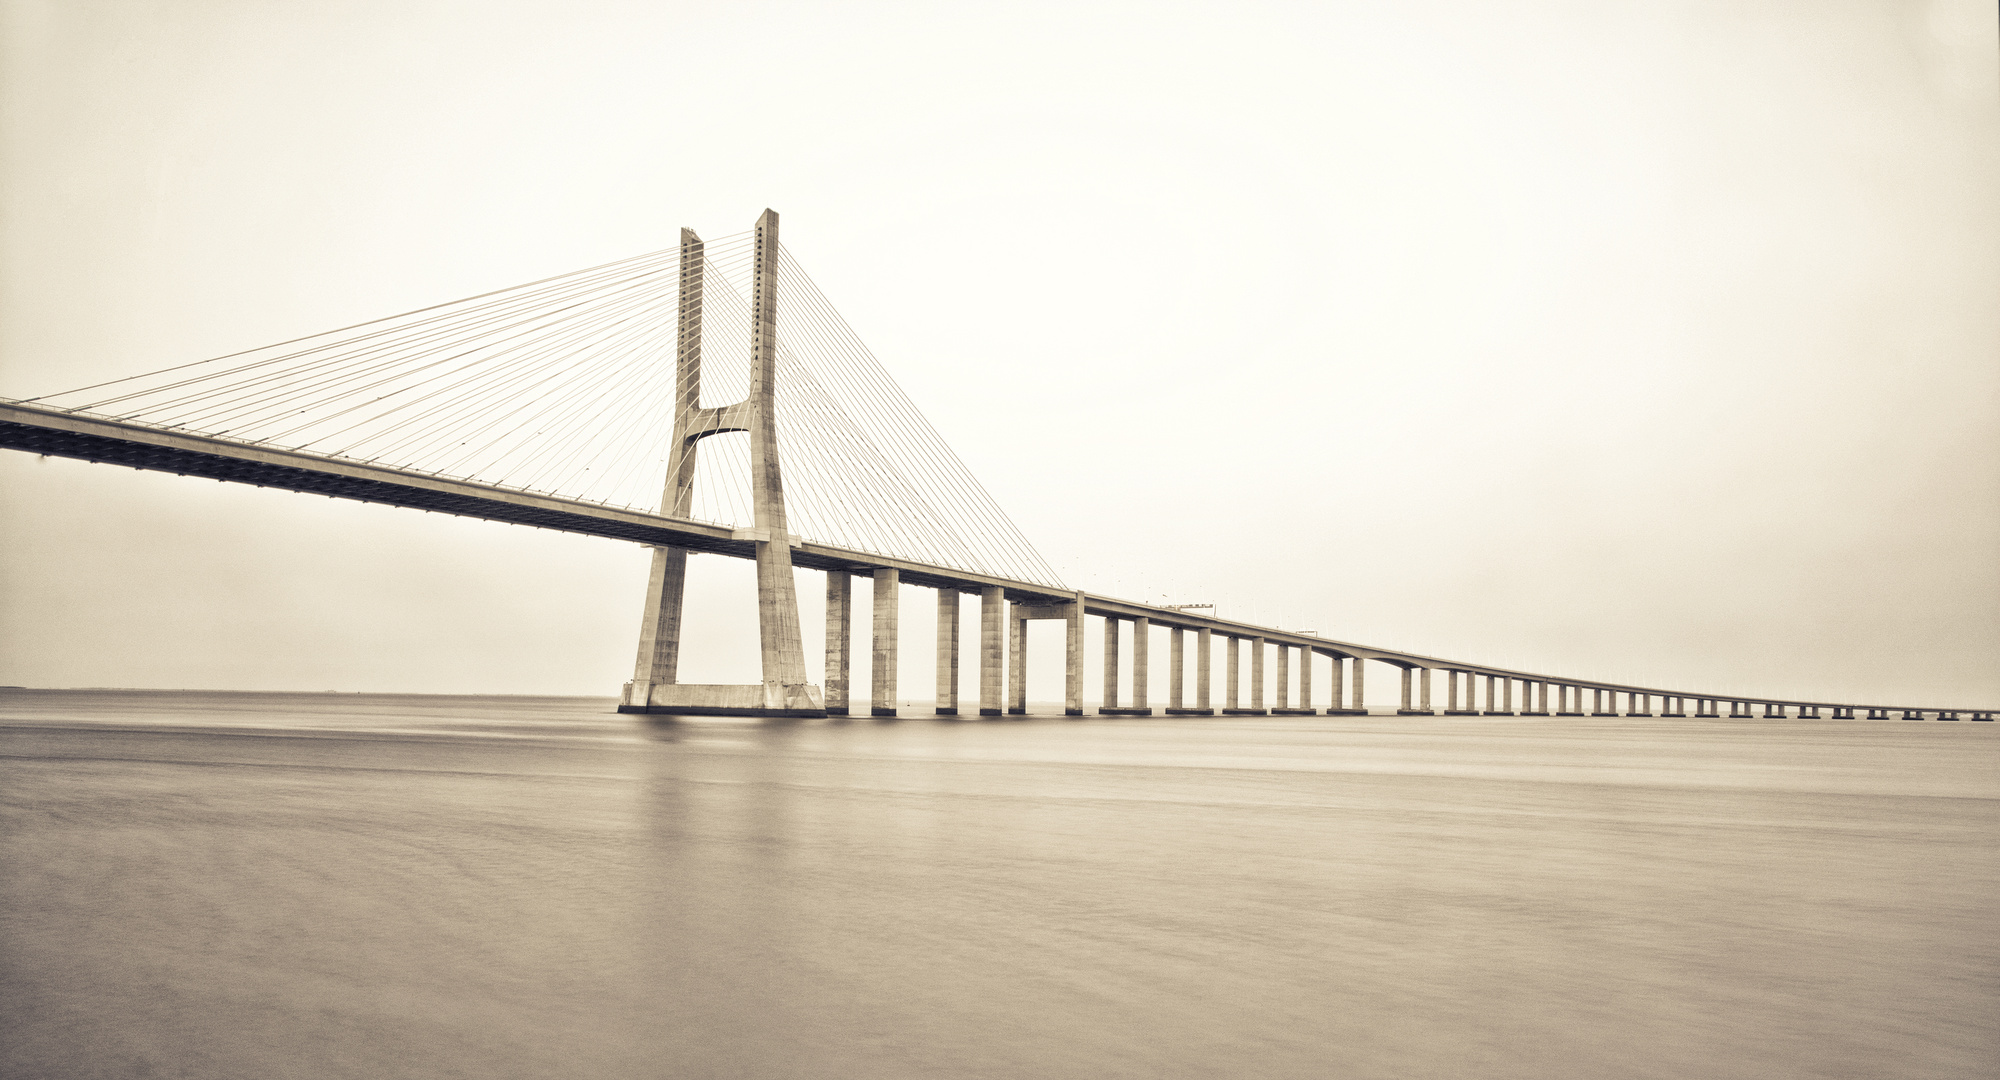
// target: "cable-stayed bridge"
[[708, 398]]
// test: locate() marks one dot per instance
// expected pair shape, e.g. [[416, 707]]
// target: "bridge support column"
[[1284, 687], [1142, 633], [1284, 707], [1257, 676], [1202, 659], [1232, 669], [1073, 672], [1110, 664], [1495, 685], [1598, 705], [839, 639], [882, 676], [992, 649], [1360, 706], [1176, 668], [1336, 691], [947, 652], [1017, 662], [1142, 668], [1640, 705], [1416, 692]]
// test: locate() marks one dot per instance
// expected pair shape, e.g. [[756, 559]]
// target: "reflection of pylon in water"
[[784, 690]]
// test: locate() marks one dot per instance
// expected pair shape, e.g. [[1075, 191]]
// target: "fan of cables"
[[566, 386]]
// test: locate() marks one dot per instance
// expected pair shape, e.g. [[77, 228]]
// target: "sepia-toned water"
[[272, 885]]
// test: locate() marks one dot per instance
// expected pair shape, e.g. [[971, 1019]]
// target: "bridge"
[[555, 404]]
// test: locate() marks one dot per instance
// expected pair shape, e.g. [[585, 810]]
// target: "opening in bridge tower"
[[655, 686]]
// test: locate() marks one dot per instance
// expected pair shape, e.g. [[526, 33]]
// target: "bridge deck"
[[101, 439]]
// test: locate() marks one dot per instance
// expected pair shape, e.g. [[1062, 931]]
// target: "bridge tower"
[[655, 686]]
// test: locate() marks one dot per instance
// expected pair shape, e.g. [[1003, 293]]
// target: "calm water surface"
[[271, 885]]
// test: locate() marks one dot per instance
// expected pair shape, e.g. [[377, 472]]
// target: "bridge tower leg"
[[947, 652], [660, 629], [839, 639], [784, 691], [992, 649]]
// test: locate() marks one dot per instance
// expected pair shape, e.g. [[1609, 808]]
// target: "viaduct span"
[[366, 412]]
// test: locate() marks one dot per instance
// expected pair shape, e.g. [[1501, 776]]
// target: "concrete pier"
[[1337, 689], [992, 649], [1284, 706], [947, 652], [1454, 705], [1257, 676], [1141, 637], [1642, 705], [1284, 684], [882, 675], [1176, 668], [1233, 663], [1017, 662], [1073, 672], [1202, 658], [1409, 706], [1142, 644], [839, 639], [1110, 663], [1495, 686]]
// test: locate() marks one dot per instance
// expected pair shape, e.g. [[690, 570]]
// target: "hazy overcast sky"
[[1642, 340]]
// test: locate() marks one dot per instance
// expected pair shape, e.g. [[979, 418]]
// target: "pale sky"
[[1645, 341]]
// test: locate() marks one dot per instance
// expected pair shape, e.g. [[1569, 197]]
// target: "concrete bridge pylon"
[[655, 685]]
